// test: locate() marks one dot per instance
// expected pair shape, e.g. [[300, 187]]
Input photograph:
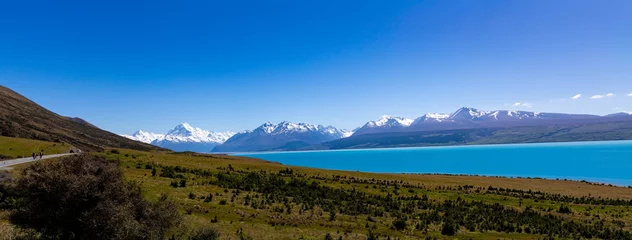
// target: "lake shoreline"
[[598, 162]]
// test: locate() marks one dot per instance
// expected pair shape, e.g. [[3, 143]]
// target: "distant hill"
[[616, 128], [23, 118]]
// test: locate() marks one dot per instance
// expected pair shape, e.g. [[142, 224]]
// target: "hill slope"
[[11, 148], [23, 118]]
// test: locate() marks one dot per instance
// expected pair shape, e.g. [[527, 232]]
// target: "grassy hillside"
[[621, 130], [11, 148], [247, 198], [22, 118]]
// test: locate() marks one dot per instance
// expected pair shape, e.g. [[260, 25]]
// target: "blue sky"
[[232, 66]]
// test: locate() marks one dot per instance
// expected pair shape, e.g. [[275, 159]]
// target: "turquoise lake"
[[605, 162]]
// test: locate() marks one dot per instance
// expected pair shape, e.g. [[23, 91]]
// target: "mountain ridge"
[[282, 136], [183, 137], [22, 118]]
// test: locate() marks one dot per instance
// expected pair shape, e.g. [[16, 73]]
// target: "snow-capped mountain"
[[183, 137], [466, 114], [432, 117], [466, 118], [282, 136], [385, 123], [145, 137], [186, 133]]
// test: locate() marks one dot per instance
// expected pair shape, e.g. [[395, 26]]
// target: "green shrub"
[[205, 234], [448, 229], [85, 197]]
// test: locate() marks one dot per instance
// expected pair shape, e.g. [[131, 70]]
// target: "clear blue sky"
[[232, 66]]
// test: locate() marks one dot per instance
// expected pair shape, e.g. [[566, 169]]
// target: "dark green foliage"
[[400, 224], [209, 198], [476, 216], [448, 229], [85, 197], [153, 172], [205, 234], [329, 237], [168, 172], [372, 236], [191, 195], [115, 151], [183, 183], [564, 209]]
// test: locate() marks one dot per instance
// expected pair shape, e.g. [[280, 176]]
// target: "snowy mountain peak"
[[142, 136], [266, 128], [183, 137], [187, 131], [388, 121], [284, 135], [431, 117], [467, 113]]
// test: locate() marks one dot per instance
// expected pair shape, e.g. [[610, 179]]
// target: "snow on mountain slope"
[[432, 117], [388, 121], [143, 136], [385, 124], [186, 133], [283, 136], [183, 137], [465, 114], [465, 117]]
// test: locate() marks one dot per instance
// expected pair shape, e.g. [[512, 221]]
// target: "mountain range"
[[23, 118], [183, 137], [465, 118], [282, 136], [269, 136], [286, 136]]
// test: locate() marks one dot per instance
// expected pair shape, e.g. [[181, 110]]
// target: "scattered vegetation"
[[85, 197], [241, 198]]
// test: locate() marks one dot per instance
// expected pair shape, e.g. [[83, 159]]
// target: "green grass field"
[[247, 198], [11, 148]]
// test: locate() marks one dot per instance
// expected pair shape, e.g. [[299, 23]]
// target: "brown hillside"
[[23, 118]]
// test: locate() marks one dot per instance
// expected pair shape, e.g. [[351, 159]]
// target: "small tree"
[[400, 224], [205, 234], [329, 237], [448, 229]]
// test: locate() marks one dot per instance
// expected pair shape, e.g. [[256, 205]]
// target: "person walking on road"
[[41, 155], [33, 155]]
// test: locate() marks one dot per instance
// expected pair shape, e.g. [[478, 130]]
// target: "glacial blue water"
[[605, 162]]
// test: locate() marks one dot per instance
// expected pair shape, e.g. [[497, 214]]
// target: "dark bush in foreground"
[[85, 197], [205, 234], [448, 229]]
